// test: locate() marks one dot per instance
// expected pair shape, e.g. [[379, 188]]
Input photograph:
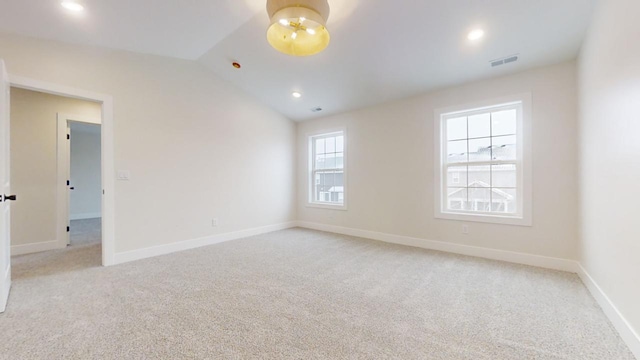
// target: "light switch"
[[123, 175]]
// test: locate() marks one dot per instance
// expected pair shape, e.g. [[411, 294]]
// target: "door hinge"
[[68, 183], [67, 229], [68, 137]]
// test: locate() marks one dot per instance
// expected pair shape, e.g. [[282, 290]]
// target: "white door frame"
[[5, 189], [108, 167], [64, 170]]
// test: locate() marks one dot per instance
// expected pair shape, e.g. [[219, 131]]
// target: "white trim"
[[63, 160], [493, 254], [4, 292], [85, 216], [108, 166], [525, 159], [123, 257], [626, 331], [36, 247], [79, 118], [326, 206]]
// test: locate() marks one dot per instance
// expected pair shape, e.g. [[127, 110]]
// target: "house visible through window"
[[482, 161], [327, 173]]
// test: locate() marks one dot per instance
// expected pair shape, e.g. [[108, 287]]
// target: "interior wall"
[[609, 154], [390, 166], [195, 146], [86, 197], [34, 161]]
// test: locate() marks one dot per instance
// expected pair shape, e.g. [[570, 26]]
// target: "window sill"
[[492, 219], [327, 206]]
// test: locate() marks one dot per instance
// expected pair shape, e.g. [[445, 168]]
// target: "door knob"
[[10, 197]]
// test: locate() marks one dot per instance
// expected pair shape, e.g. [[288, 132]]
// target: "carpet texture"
[[299, 294], [85, 232]]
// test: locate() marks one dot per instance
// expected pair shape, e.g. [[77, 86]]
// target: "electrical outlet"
[[465, 229], [214, 222]]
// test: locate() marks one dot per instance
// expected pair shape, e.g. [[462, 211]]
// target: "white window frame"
[[311, 171], [524, 215]]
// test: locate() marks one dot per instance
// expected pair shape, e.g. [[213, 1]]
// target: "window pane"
[[479, 176], [340, 160], [321, 161], [479, 200], [337, 190], [331, 144], [480, 126], [340, 144], [504, 148], [457, 151], [326, 184], [457, 128], [327, 181], [504, 122], [505, 201], [318, 186], [330, 162], [479, 150], [320, 146], [456, 199], [504, 175], [457, 176], [330, 187]]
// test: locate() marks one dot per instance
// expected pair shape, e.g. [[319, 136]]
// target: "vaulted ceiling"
[[380, 50]]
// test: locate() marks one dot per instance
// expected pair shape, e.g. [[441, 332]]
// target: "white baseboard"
[[493, 254], [627, 333], [35, 247], [85, 216], [123, 257]]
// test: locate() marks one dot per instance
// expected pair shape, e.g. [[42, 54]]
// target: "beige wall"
[[34, 162], [390, 166], [195, 146], [86, 198], [610, 154]]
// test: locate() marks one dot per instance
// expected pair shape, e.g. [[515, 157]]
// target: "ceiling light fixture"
[[298, 26], [72, 5], [476, 35], [296, 94]]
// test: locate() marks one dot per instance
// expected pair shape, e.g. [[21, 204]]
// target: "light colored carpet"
[[86, 231], [299, 294]]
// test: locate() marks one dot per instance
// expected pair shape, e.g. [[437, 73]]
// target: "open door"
[[5, 190]]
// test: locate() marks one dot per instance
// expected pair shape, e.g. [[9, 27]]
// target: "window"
[[484, 168], [327, 170]]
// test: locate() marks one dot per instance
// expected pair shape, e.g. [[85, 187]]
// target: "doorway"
[[57, 174], [7, 199], [84, 186], [107, 156]]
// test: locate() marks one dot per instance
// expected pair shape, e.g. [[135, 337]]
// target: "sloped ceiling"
[[380, 50]]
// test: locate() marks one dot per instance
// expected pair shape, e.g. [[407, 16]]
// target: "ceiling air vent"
[[316, 109], [506, 60]]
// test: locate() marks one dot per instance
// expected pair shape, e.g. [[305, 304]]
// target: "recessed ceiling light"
[[476, 35], [296, 94], [72, 5]]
